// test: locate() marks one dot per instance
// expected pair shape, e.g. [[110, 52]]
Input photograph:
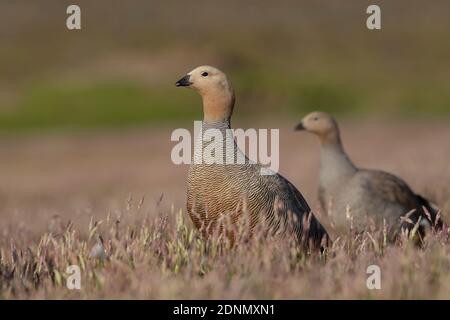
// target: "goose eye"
[[204, 74], [316, 119]]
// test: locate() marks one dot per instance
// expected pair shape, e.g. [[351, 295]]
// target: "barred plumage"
[[231, 190]]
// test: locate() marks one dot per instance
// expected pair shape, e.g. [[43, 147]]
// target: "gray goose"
[[366, 195]]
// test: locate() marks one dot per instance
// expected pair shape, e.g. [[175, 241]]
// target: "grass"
[[60, 194], [99, 105], [164, 258], [284, 59], [115, 104]]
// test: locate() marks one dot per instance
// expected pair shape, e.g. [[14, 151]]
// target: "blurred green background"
[[285, 58]]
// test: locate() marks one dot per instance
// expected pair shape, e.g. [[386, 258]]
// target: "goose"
[[222, 190], [365, 195]]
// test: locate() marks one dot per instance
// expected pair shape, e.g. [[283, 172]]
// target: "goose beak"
[[184, 82], [299, 127]]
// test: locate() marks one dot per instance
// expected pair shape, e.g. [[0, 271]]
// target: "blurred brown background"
[[86, 116]]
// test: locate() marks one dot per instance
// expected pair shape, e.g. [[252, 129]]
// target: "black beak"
[[299, 127], [184, 82]]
